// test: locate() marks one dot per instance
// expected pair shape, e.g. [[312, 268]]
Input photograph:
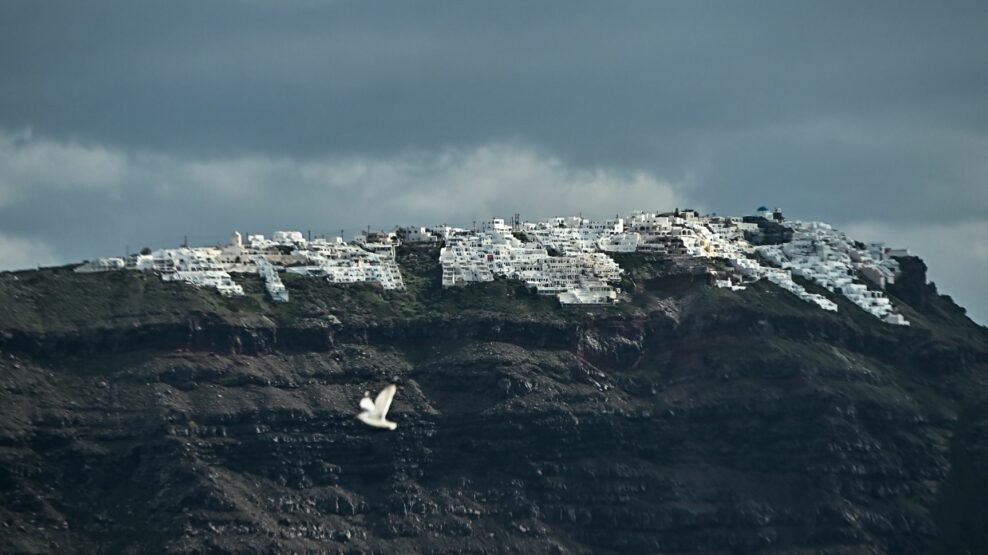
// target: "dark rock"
[[687, 420]]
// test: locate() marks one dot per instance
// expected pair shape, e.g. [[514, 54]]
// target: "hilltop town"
[[566, 257]]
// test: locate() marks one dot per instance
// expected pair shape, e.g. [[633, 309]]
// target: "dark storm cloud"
[[857, 113]]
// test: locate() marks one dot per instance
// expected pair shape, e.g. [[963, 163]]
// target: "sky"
[[131, 124]]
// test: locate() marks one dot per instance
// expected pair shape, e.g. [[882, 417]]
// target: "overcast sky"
[[125, 124]]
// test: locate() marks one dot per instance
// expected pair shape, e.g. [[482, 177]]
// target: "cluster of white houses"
[[566, 257], [826, 256], [576, 271], [369, 260]]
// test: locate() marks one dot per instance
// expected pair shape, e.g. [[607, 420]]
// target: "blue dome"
[[762, 209]]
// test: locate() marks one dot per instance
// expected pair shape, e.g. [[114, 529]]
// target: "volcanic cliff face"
[[146, 416]]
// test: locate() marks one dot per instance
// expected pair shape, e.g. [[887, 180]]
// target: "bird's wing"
[[383, 401], [367, 404]]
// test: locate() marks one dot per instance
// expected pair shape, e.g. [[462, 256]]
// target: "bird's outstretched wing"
[[383, 401], [366, 404]]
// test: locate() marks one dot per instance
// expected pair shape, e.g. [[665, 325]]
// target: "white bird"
[[374, 412]]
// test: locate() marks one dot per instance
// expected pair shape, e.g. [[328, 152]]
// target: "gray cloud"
[[30, 166], [157, 199], [848, 112], [21, 252]]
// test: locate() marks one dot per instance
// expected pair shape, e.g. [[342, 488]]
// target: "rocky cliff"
[[141, 416]]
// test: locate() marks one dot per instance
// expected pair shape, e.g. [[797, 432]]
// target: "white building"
[[102, 265], [197, 267], [288, 237], [418, 235], [272, 281], [574, 276]]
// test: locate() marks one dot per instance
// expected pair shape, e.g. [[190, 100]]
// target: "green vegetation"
[[58, 299], [54, 299]]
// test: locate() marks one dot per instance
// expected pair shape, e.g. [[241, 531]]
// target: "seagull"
[[374, 411]]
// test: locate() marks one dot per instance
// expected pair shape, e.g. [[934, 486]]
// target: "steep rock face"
[[149, 417]]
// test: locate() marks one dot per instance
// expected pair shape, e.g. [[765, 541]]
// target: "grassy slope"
[[59, 300]]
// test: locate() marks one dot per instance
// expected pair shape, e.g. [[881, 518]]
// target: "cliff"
[[142, 416]]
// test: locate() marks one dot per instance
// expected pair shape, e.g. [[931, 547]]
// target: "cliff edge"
[[141, 415]]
